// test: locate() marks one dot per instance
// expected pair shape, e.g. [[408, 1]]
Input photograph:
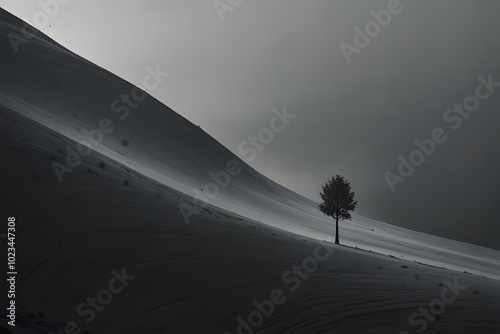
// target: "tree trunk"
[[337, 232]]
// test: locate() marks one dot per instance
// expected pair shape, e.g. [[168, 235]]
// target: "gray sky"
[[352, 119]]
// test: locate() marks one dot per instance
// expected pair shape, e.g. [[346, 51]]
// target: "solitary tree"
[[338, 200]]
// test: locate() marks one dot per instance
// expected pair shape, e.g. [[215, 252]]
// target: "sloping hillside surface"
[[118, 209]]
